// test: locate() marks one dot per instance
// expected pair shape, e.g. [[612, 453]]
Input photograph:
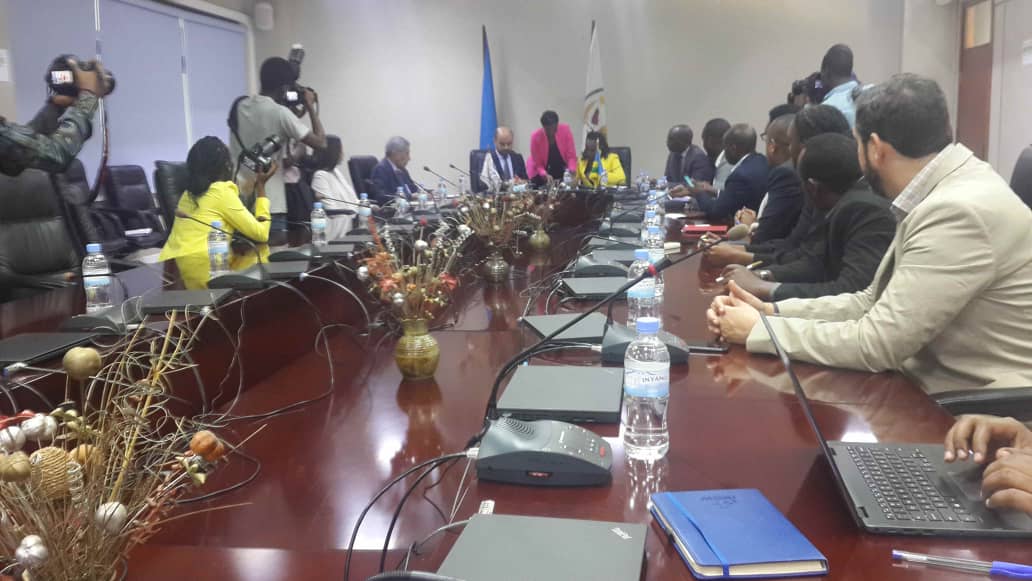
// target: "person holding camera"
[[27, 146], [211, 195], [256, 118]]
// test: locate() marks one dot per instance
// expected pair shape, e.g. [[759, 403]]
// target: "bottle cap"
[[93, 248], [216, 223], [648, 325], [650, 214], [641, 253], [363, 196], [317, 206]]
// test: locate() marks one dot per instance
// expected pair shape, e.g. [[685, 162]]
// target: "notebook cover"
[[703, 229], [741, 525]]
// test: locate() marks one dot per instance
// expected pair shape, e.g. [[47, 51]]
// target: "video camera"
[[259, 158], [811, 86], [60, 77], [292, 96]]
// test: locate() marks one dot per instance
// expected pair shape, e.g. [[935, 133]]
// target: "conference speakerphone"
[[543, 453], [565, 393]]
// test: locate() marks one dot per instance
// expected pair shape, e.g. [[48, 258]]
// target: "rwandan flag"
[[488, 116]]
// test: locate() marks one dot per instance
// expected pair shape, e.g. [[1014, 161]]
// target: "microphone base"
[[589, 266], [113, 320], [617, 337]]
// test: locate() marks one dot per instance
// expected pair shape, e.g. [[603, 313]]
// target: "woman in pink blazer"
[[552, 151]]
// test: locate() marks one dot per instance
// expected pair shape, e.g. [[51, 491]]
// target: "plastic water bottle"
[[652, 202], [654, 242], [646, 394], [567, 179], [422, 201], [218, 250], [462, 185], [401, 202], [442, 190], [96, 279], [641, 298], [661, 183], [643, 183], [650, 219], [365, 209], [318, 224]]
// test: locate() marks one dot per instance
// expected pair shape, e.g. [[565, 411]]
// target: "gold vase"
[[416, 353], [496, 269], [539, 240]]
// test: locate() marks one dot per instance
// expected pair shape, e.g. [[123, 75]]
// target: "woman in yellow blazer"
[[596, 148], [211, 195]]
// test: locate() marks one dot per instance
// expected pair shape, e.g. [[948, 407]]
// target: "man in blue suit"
[[502, 164], [390, 174], [746, 184]]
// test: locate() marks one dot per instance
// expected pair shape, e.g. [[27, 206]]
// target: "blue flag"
[[488, 116]]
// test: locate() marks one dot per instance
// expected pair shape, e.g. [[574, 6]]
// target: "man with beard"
[[951, 302]]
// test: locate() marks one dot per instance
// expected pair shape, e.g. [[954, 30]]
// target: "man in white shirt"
[[502, 164], [261, 116]]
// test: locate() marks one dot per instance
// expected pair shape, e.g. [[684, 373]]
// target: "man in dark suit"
[[390, 174], [502, 164], [846, 243], [780, 208], [746, 184], [685, 159]]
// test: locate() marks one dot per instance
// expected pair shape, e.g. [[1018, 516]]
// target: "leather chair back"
[[1021, 179], [361, 168], [476, 163], [35, 242], [169, 184], [88, 223], [126, 188], [624, 153]]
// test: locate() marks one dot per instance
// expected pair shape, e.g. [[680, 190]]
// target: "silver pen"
[[999, 568]]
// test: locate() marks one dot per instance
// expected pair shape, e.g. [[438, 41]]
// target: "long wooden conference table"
[[734, 423]]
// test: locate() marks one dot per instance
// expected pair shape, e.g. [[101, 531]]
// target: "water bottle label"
[[318, 223], [365, 212], [95, 281], [646, 289], [656, 254], [647, 383]]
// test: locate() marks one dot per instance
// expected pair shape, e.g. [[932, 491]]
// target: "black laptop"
[[593, 288], [589, 330], [567, 393], [499, 547], [32, 348], [908, 489], [182, 300]]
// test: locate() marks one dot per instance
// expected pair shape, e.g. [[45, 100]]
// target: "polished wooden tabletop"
[[734, 423]]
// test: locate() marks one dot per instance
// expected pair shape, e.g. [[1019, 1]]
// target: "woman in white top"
[[332, 187]]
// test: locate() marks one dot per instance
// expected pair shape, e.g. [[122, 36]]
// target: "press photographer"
[[254, 119], [73, 84]]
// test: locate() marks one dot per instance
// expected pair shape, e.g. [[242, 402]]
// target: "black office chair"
[[1021, 179], [37, 252], [129, 196], [361, 169], [170, 179], [624, 153], [89, 224], [1015, 403], [476, 163]]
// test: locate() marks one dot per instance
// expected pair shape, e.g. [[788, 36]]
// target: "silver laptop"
[[566, 393], [908, 489], [497, 547]]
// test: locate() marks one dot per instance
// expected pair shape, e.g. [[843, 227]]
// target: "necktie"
[[506, 172]]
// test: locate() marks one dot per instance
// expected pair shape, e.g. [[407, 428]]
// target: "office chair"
[[1021, 179], [169, 184], [129, 196], [476, 163], [37, 252], [1015, 402], [624, 153], [89, 224], [361, 168]]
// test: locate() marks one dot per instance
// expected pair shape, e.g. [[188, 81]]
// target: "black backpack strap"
[[233, 128]]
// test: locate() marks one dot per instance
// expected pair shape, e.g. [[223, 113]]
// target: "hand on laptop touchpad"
[[967, 476]]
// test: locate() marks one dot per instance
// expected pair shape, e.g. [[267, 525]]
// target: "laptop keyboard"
[[902, 481]]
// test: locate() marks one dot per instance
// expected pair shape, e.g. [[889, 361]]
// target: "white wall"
[[931, 44], [413, 67], [1010, 128], [6, 89]]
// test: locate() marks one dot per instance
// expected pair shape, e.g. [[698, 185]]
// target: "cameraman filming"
[[265, 115], [22, 146]]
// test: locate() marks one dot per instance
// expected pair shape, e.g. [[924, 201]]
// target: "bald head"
[[679, 138], [739, 141], [503, 140]]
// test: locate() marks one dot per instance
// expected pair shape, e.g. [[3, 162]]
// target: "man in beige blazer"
[[951, 301]]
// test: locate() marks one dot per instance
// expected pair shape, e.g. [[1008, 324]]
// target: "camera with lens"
[[60, 77], [292, 96], [260, 157]]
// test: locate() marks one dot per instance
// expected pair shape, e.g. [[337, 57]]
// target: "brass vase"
[[496, 269], [539, 240], [417, 353]]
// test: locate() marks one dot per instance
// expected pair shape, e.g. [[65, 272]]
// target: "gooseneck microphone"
[[491, 413], [427, 169], [461, 171]]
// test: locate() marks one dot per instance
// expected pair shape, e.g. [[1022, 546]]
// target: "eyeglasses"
[[769, 140]]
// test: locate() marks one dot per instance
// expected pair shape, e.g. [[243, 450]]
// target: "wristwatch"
[[764, 275]]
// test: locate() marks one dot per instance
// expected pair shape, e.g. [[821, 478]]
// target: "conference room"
[[376, 289]]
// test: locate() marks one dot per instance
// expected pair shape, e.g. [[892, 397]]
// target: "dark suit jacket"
[[519, 167], [842, 250], [692, 162], [784, 203], [744, 188], [386, 182]]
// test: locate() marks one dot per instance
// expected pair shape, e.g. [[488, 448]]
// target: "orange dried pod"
[[204, 443], [215, 454]]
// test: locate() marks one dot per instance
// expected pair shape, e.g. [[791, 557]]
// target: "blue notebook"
[[731, 534]]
